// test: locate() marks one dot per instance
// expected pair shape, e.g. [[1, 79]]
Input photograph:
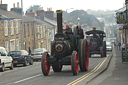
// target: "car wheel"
[[31, 62], [11, 67], [3, 68], [14, 65], [25, 62]]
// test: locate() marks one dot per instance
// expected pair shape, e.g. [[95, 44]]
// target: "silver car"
[[37, 54]]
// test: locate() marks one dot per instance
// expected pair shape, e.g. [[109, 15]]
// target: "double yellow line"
[[88, 74]]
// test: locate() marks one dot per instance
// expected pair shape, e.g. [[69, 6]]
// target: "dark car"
[[21, 57], [96, 43]]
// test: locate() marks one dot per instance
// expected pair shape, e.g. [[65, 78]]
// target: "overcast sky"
[[67, 4]]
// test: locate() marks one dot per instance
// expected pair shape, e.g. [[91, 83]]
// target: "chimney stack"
[[18, 5], [1, 2], [13, 5]]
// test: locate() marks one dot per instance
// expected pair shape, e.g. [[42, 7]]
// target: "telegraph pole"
[[22, 18]]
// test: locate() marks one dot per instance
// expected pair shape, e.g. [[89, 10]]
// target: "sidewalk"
[[116, 74]]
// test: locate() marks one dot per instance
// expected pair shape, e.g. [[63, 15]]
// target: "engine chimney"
[[59, 20]]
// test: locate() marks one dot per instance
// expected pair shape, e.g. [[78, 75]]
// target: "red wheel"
[[45, 66], [74, 63], [83, 55], [87, 55]]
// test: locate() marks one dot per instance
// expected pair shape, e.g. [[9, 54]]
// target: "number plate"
[[15, 61]]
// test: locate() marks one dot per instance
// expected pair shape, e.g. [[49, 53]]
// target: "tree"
[[34, 8]]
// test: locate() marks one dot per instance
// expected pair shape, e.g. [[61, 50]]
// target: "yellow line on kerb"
[[89, 73]]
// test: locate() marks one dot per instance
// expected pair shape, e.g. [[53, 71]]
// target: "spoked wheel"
[[74, 63], [45, 66], [83, 55], [101, 52], [56, 67]]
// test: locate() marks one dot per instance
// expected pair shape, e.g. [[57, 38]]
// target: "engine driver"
[[80, 32], [67, 31]]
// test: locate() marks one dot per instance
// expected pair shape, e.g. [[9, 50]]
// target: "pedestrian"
[[29, 51], [119, 44], [123, 46], [80, 32]]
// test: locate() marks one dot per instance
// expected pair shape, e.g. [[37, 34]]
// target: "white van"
[[5, 60]]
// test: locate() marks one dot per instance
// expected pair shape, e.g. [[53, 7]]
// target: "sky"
[[68, 4]]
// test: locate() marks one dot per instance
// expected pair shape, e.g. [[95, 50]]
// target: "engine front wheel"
[[56, 67], [45, 66], [74, 63]]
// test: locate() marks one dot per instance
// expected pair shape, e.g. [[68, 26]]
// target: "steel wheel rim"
[[46, 64]]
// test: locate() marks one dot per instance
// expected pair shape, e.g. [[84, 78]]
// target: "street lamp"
[[22, 25], [78, 20]]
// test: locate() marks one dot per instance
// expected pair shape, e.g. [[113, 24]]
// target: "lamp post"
[[22, 25]]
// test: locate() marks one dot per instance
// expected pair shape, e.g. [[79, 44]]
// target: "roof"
[[94, 31], [52, 22]]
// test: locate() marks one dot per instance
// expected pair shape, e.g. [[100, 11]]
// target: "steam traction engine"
[[64, 51]]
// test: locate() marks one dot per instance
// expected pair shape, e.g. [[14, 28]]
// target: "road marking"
[[89, 73], [27, 78]]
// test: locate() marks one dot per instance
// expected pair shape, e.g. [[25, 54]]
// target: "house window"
[[44, 30], [38, 44], [12, 29], [17, 27], [17, 44], [28, 30], [24, 30], [6, 28], [12, 45], [41, 32], [6, 46], [38, 34]]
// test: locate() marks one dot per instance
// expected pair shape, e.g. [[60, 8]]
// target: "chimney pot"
[[13, 5], [17, 4]]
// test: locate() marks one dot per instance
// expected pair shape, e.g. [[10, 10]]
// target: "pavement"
[[115, 74]]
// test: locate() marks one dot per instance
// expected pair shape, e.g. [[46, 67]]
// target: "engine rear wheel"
[[56, 67], [83, 55], [104, 48], [101, 52], [45, 66], [74, 63]]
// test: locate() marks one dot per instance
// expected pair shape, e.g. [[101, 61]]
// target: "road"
[[32, 75]]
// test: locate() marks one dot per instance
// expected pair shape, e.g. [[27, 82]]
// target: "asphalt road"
[[32, 75]]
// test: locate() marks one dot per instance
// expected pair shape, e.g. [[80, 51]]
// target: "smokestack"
[[59, 20], [18, 5], [13, 5]]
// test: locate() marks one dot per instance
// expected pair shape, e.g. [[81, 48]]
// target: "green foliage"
[[34, 7]]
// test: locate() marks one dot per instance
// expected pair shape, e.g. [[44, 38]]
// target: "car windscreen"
[[38, 50], [15, 53]]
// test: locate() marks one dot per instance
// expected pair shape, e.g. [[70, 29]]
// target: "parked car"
[[21, 57], [5, 60], [37, 54], [109, 46]]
